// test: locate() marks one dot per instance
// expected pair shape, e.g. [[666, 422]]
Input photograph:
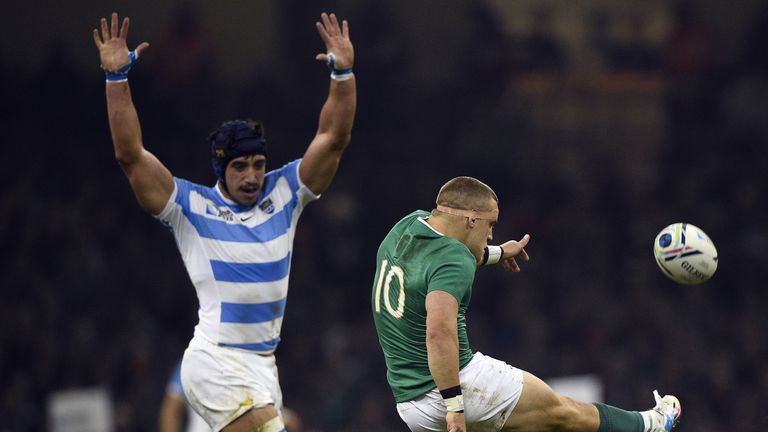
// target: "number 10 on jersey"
[[384, 282]]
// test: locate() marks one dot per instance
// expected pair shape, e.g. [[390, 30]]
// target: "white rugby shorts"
[[491, 389], [221, 384]]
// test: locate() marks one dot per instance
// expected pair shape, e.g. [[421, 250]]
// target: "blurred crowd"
[[592, 152]]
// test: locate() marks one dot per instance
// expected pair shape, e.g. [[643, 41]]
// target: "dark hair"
[[233, 139], [466, 193]]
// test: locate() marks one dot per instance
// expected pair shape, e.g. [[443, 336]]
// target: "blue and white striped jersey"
[[237, 257]]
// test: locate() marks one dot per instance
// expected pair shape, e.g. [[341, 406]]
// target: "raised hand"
[[112, 45], [336, 38], [512, 249]]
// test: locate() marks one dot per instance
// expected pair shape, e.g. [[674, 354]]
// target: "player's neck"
[[448, 228]]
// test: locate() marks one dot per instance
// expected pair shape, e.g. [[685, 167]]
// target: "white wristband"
[[455, 404], [342, 76], [492, 255]]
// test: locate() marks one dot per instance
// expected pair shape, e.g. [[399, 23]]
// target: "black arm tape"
[[451, 392]]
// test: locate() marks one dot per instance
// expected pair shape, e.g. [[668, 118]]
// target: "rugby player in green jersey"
[[421, 291]]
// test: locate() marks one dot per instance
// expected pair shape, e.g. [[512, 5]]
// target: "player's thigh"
[[424, 414], [541, 409], [223, 384]]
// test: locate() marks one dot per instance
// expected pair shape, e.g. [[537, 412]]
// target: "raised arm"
[[443, 348], [321, 160], [150, 180]]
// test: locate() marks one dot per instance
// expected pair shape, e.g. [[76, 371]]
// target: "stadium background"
[[597, 122]]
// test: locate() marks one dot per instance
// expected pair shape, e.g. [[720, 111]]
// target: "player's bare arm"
[[150, 180], [321, 160], [443, 348]]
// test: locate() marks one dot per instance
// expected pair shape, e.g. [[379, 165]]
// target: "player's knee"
[[273, 425], [565, 415]]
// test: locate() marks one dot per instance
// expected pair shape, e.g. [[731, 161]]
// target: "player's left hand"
[[336, 38], [513, 249]]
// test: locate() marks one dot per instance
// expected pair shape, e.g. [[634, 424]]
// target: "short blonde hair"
[[466, 193]]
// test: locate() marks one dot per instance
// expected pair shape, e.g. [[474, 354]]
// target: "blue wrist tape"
[[338, 74], [121, 74]]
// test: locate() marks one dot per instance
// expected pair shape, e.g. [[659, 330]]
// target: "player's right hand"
[[512, 249], [455, 422], [113, 49], [336, 38]]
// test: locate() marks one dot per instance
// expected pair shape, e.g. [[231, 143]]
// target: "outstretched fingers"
[[345, 29], [112, 44], [124, 29], [329, 26], [335, 24], [335, 35], [113, 26], [104, 30], [327, 22], [101, 37], [524, 255], [323, 33], [523, 243], [97, 38], [510, 265], [514, 249], [323, 57], [109, 31]]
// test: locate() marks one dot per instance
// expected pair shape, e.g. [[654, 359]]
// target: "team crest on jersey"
[[220, 212], [267, 206]]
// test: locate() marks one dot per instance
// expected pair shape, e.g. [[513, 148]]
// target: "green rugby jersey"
[[412, 260]]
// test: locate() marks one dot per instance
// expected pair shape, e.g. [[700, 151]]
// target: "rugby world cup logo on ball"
[[685, 254]]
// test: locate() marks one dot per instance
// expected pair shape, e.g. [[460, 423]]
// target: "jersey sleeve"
[[178, 208], [454, 274], [290, 172], [174, 208]]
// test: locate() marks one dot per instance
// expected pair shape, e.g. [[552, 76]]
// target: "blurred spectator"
[[182, 59], [694, 90], [540, 51], [182, 55], [690, 51], [636, 53]]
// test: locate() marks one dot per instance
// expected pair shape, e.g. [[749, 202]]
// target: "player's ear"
[[471, 222]]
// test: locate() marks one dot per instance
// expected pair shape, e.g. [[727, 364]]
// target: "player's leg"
[[541, 409], [232, 390], [264, 419], [292, 420], [424, 414]]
